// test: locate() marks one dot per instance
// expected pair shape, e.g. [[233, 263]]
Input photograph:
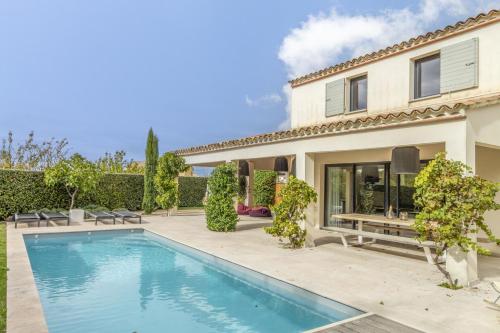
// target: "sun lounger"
[[101, 216], [127, 215], [26, 218], [55, 216]]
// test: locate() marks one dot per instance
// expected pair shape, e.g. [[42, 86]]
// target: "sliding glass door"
[[338, 196]]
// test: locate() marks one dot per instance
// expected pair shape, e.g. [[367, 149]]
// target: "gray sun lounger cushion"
[[126, 214], [101, 216], [26, 218], [55, 216]]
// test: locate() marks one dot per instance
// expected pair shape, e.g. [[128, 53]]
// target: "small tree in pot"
[[453, 202], [76, 174], [296, 195]]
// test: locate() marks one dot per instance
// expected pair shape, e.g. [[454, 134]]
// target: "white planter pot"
[[462, 266], [76, 215]]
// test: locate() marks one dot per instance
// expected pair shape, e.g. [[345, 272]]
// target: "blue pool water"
[[135, 281]]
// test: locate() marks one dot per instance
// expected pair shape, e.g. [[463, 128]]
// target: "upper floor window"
[[358, 93], [426, 76]]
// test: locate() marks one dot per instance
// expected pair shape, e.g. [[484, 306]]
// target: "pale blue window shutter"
[[459, 66], [334, 98]]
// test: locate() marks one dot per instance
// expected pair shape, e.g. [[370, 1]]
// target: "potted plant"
[[77, 175], [452, 203]]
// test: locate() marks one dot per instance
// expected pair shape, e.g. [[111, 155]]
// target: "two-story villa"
[[438, 92]]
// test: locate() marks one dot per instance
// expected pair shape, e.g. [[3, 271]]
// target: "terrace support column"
[[462, 266], [305, 171], [250, 184]]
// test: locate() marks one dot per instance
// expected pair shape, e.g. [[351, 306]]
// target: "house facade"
[[438, 92]]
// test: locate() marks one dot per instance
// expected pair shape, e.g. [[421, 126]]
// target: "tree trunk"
[[73, 196], [443, 270]]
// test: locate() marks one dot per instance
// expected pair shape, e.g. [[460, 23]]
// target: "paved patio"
[[401, 288]]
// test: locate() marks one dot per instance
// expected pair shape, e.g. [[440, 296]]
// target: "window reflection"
[[370, 189]]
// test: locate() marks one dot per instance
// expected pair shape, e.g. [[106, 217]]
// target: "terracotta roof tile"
[[346, 125]]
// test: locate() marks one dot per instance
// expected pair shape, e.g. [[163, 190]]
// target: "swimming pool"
[[136, 281]]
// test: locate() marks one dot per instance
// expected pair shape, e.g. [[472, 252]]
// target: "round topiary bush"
[[222, 188]]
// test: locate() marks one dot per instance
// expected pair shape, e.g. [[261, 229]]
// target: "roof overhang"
[[378, 121]]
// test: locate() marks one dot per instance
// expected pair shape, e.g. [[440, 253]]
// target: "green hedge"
[[192, 191], [264, 187], [116, 190], [22, 191]]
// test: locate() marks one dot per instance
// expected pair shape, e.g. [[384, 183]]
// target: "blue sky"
[[101, 72]]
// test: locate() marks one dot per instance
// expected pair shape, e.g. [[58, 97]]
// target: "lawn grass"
[[3, 279]]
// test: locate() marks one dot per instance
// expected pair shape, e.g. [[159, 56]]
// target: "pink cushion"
[[260, 212], [242, 209]]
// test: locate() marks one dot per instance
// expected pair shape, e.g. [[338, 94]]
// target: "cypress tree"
[[148, 202]]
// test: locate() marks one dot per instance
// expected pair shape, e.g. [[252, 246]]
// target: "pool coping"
[[22, 289]]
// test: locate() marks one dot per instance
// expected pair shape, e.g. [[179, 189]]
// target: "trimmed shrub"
[[264, 187], [242, 189], [192, 191], [116, 190], [222, 187], [24, 191]]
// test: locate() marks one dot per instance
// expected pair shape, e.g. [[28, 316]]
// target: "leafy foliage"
[[367, 199], [453, 202], [25, 191], [116, 190], [222, 188], [165, 180], [242, 189], [3, 279], [117, 163], [77, 174], [149, 200], [192, 190], [296, 195], [31, 155], [264, 187]]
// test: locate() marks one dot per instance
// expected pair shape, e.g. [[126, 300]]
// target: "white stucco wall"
[[389, 81], [488, 167]]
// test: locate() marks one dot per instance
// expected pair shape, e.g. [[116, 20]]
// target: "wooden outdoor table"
[[363, 219]]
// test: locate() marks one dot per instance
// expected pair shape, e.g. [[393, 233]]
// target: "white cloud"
[[325, 38], [263, 101]]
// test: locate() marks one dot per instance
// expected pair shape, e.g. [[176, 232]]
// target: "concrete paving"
[[400, 287]]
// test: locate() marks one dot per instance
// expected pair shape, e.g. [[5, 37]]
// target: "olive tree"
[[295, 196], [76, 174], [452, 204], [165, 181]]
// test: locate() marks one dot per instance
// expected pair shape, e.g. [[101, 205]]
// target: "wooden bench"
[[380, 222]]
